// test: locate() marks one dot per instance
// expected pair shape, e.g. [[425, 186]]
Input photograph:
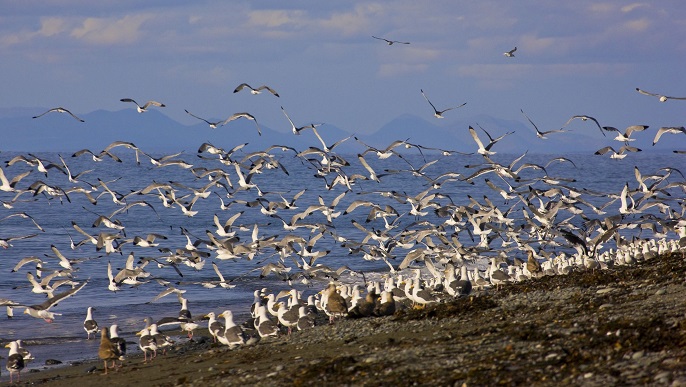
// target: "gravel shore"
[[622, 326]]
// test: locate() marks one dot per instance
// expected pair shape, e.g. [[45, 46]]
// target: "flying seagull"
[[585, 118], [212, 125], [243, 115], [143, 108], [43, 310], [510, 54], [663, 98], [255, 90], [668, 129], [539, 134], [390, 42], [617, 154], [439, 113], [627, 132], [296, 130], [59, 110]]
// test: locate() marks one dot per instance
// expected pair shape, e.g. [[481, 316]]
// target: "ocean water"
[[599, 179]]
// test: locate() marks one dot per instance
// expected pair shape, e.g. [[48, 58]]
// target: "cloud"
[[49, 26], [631, 7], [109, 30], [515, 71], [638, 25], [359, 19], [276, 18]]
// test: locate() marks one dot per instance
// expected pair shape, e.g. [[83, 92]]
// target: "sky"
[[580, 57]]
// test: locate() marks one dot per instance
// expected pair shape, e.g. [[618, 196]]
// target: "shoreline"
[[622, 326]]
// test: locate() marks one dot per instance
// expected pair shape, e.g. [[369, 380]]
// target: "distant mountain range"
[[153, 131]]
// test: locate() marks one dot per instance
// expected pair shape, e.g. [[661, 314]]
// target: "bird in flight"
[[539, 134], [297, 130], [510, 54], [663, 98], [255, 90], [439, 113], [243, 115], [145, 107], [212, 125], [389, 42], [626, 136], [59, 110], [668, 129], [617, 154], [584, 117]]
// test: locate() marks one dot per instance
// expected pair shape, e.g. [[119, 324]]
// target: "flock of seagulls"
[[435, 243]]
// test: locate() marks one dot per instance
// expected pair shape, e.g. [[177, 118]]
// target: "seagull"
[[243, 115], [585, 118], [212, 125], [390, 42], [89, 324], [107, 350], [663, 98], [59, 110], [5, 242], [620, 154], [627, 133], [437, 113], [144, 108], [15, 362], [296, 130], [255, 90], [510, 54], [668, 129], [539, 134], [485, 150], [43, 310]]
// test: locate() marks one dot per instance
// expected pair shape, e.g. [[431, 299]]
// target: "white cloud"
[[360, 18], [638, 25], [110, 31], [51, 26], [276, 18], [515, 71], [631, 7]]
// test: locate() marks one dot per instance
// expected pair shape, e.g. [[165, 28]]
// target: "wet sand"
[[622, 326]]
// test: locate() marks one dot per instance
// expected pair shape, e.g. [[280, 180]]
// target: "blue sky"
[[581, 57]]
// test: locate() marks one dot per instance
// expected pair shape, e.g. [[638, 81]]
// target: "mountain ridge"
[[155, 131]]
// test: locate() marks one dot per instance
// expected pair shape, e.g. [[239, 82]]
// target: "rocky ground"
[[624, 326]]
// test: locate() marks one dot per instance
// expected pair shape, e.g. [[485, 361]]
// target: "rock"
[[52, 362]]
